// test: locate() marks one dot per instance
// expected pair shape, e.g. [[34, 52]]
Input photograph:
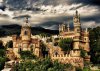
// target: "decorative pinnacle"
[[86, 29], [26, 20], [76, 12]]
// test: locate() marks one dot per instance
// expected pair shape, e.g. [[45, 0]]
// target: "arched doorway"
[[45, 52]]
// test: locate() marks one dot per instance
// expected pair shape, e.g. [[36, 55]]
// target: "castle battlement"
[[75, 61], [75, 53], [61, 55], [71, 54]]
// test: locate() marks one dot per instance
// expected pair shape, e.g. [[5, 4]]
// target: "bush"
[[66, 44], [27, 55]]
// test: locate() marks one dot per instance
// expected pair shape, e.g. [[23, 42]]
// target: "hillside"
[[15, 29]]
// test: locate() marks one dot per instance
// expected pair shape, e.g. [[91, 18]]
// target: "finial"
[[64, 22], [68, 25], [86, 29], [26, 19], [76, 12]]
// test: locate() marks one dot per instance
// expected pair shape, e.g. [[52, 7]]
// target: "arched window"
[[56, 53], [78, 30], [19, 50], [25, 33]]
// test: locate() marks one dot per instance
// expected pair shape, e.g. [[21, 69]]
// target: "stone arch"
[[71, 60], [25, 32], [19, 49], [55, 52], [45, 50], [66, 60], [62, 60]]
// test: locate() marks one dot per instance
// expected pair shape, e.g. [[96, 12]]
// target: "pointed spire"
[[26, 20], [68, 26], [76, 12], [64, 23], [86, 30]]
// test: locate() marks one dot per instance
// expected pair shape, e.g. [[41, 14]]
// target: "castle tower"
[[77, 30], [62, 27], [76, 21], [86, 40], [26, 31], [68, 27], [25, 35]]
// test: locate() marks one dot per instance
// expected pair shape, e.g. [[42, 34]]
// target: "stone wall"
[[75, 61]]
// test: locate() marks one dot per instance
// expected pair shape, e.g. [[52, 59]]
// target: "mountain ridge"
[[6, 30]]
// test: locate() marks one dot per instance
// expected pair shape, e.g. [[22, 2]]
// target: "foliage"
[[26, 55], [44, 50], [43, 65], [66, 44], [2, 56], [2, 52], [2, 62], [86, 69], [95, 45], [1, 45], [78, 69], [83, 53]]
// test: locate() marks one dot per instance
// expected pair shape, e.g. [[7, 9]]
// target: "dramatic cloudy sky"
[[50, 13]]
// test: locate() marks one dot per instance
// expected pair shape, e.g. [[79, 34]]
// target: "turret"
[[86, 40], [62, 27], [76, 21], [68, 27], [77, 30], [26, 31]]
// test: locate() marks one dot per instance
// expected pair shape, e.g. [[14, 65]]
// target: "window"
[[25, 33], [78, 30]]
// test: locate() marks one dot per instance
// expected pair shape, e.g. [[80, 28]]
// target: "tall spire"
[[76, 15], [68, 26], [76, 12], [26, 20]]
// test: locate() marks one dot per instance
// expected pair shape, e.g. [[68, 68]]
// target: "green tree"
[[66, 44], [42, 65], [95, 45], [83, 53], [2, 62], [1, 44], [27, 55], [2, 56]]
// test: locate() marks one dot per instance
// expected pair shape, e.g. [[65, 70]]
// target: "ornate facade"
[[25, 42], [79, 36], [80, 41]]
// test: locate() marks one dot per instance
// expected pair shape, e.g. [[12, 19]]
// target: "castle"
[[80, 41], [25, 41]]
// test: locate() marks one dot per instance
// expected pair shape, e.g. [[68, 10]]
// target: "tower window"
[[25, 33], [78, 30]]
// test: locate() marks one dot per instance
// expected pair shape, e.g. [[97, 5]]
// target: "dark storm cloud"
[[89, 11], [91, 2]]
